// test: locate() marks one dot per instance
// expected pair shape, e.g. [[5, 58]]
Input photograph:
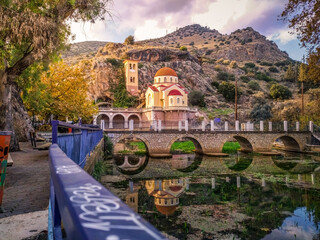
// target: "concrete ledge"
[[9, 161], [270, 153], [23, 226], [217, 154], [161, 155]]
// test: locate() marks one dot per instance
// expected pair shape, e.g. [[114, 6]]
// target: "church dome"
[[174, 92], [166, 71], [166, 210]]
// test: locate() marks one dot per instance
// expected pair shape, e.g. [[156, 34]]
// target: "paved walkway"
[[27, 182]]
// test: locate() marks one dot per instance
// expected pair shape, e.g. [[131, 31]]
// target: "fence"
[[77, 141], [187, 125], [87, 209]]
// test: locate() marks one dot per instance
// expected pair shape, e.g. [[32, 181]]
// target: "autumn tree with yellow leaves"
[[63, 93]]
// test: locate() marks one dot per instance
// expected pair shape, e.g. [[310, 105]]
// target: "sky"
[[145, 19]]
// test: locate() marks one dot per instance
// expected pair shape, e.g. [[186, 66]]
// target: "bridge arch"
[[245, 144], [105, 117], [118, 121], [129, 136], [290, 143], [193, 139]]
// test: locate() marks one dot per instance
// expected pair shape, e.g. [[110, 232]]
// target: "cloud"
[[283, 35], [147, 19]]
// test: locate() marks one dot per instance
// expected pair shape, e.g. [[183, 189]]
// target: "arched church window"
[[149, 99], [159, 80], [171, 101], [133, 79], [134, 66], [170, 79], [165, 79], [178, 100], [130, 66]]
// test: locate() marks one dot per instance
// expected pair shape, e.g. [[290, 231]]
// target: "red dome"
[[174, 92], [166, 210], [166, 72]]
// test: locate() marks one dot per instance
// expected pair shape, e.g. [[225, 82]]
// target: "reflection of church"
[[166, 100], [166, 193]]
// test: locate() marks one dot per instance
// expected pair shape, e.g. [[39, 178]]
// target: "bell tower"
[[131, 71]]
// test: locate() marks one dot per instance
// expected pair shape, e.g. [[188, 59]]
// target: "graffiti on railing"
[[103, 212]]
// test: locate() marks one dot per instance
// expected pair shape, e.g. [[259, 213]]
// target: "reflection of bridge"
[[211, 142]]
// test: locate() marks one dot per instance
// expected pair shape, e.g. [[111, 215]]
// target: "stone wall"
[[96, 155]]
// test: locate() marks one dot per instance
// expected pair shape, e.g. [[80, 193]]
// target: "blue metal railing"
[[87, 209], [76, 145]]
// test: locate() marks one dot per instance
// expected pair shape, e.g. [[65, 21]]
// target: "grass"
[[186, 147], [230, 147], [220, 112]]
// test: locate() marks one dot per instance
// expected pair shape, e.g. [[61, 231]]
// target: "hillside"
[[207, 58]]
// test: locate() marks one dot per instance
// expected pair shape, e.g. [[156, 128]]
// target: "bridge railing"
[[87, 210], [75, 141], [185, 125]]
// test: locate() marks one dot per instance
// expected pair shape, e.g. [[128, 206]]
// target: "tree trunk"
[[6, 113]]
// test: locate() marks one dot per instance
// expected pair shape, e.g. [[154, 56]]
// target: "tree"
[[261, 112], [31, 31], [281, 92], [304, 16], [291, 73], [65, 93], [196, 98], [129, 40], [227, 89]]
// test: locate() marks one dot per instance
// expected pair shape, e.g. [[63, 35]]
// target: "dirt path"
[[27, 182]]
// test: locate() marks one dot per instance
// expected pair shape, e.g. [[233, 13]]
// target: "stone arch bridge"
[[211, 142]]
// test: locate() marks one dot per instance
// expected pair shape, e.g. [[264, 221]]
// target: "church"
[[165, 101]]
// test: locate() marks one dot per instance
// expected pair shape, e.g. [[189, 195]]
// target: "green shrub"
[[129, 40], [225, 76], [140, 65], [108, 146], [250, 65], [278, 91], [261, 112], [227, 90], [273, 69], [183, 48], [244, 78], [215, 84], [253, 85], [262, 76], [115, 62], [266, 64], [196, 98]]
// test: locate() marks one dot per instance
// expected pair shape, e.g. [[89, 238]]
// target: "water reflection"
[[241, 197], [130, 164], [239, 162]]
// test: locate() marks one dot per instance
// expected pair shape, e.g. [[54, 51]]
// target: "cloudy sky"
[[147, 19]]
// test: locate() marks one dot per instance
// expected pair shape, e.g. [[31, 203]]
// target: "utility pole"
[[236, 100]]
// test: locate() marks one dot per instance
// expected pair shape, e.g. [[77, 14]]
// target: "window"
[[165, 201], [160, 201], [178, 100], [134, 66], [159, 80], [171, 101], [182, 102], [130, 66], [165, 79], [170, 79], [149, 99], [133, 79], [171, 201]]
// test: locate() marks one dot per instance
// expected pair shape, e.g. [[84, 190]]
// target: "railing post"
[[131, 122], [203, 126], [297, 126], [159, 125], [212, 125], [285, 126], [237, 125], [186, 125], [102, 124], [310, 126], [261, 126], [270, 126], [180, 125], [54, 124], [226, 126], [155, 125], [95, 119]]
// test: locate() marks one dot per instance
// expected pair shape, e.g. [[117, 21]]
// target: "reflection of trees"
[[240, 163], [265, 205]]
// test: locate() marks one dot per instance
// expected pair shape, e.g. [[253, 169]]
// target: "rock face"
[[207, 54]]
